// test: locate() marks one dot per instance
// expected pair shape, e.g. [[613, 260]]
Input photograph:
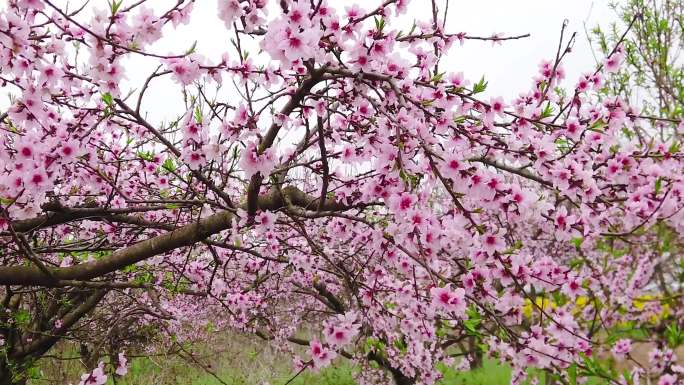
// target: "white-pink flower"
[[622, 348], [183, 70], [122, 365], [452, 301], [96, 377], [266, 219], [668, 379], [613, 62], [320, 355], [229, 11], [252, 162], [341, 330], [492, 242]]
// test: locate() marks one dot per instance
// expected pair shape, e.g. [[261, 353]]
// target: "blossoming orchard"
[[332, 189]]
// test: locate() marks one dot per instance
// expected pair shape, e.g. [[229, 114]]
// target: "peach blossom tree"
[[330, 174]]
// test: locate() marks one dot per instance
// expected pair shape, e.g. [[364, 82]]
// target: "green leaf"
[[674, 335], [34, 373], [169, 165], [480, 86], [674, 148], [401, 345], [437, 78], [572, 374], [592, 367], [459, 119], [379, 23], [22, 317], [473, 322], [5, 201], [107, 99], [575, 263], [577, 242], [114, 6], [547, 111], [471, 326], [192, 48], [198, 115], [598, 125], [658, 185], [146, 155]]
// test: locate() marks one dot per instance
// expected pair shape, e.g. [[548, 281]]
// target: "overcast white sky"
[[509, 67]]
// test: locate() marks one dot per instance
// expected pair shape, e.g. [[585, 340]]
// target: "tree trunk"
[[476, 360], [400, 378], [19, 357], [8, 376]]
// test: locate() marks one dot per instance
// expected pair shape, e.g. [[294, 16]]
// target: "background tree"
[[653, 73]]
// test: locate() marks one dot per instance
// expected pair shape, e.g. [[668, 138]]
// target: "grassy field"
[[241, 361], [143, 372], [251, 369], [147, 372]]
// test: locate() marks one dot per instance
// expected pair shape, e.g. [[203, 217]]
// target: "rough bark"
[[180, 237]]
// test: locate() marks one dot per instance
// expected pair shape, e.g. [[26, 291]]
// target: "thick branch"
[[272, 133], [180, 237], [44, 343]]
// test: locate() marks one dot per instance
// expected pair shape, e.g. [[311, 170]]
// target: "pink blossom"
[[451, 301], [668, 379], [342, 330], [621, 348], [266, 219], [122, 365], [573, 288], [401, 203], [497, 105], [252, 162], [320, 355], [194, 158], [457, 80], [492, 242], [182, 15], [437, 197], [612, 63], [573, 128], [452, 167], [31, 4], [184, 70], [229, 11], [96, 377]]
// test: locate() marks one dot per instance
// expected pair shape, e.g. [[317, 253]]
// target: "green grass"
[[240, 360], [491, 373], [252, 371], [142, 370]]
